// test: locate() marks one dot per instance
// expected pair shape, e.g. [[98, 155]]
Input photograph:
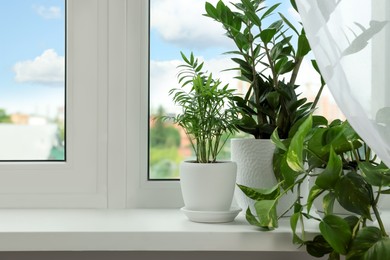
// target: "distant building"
[[27, 142], [19, 119]]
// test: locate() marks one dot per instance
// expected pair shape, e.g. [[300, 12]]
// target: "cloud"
[[46, 69], [52, 12], [182, 23]]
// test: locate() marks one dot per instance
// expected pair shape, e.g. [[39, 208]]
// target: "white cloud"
[[46, 69], [52, 12], [182, 22]]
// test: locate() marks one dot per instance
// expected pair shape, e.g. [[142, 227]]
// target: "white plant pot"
[[255, 170], [208, 187]]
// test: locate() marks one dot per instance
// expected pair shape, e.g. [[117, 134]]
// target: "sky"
[[179, 25], [32, 56]]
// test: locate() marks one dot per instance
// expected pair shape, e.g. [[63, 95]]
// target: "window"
[[80, 181], [32, 80]]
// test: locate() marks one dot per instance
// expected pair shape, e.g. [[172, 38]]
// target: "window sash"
[[107, 112], [81, 180]]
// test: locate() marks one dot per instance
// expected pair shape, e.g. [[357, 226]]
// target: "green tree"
[[162, 134], [4, 117]]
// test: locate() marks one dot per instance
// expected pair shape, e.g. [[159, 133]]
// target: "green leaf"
[[380, 250], [328, 203], [329, 177], [315, 191], [353, 222], [280, 64], [293, 224], [211, 11], [288, 23], [294, 5], [273, 99], [368, 244], [288, 174], [267, 35], [336, 232], [376, 175], [266, 212], [269, 11], [295, 150], [276, 140], [303, 46], [260, 194], [318, 247], [354, 194], [253, 18], [251, 218]]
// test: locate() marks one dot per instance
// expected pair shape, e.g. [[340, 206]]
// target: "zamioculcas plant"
[[269, 61]]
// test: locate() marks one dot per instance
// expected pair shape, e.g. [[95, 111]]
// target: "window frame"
[[81, 180], [142, 191]]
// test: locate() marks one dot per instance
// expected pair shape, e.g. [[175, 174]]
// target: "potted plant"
[[350, 174], [269, 62], [208, 117]]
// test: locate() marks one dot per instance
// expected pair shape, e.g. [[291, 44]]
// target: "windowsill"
[[134, 230]]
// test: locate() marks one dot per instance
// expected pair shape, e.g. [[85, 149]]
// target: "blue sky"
[[31, 56]]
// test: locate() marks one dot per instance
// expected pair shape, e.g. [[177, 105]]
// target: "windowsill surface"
[[134, 230]]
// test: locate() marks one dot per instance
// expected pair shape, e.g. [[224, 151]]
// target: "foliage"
[[349, 173], [163, 135], [4, 117], [265, 56], [208, 110]]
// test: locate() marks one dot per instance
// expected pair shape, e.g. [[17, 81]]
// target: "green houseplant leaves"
[[209, 114], [271, 102]]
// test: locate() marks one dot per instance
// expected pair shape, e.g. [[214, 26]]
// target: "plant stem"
[[380, 223], [377, 214], [294, 74], [317, 99]]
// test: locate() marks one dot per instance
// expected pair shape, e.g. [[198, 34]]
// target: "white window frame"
[[141, 191], [106, 119], [81, 180]]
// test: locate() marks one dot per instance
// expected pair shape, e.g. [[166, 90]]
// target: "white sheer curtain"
[[351, 42]]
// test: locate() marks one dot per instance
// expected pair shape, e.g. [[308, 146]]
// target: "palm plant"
[[208, 114]]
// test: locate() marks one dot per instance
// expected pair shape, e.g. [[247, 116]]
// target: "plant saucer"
[[212, 216]]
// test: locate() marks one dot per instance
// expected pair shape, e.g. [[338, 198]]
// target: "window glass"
[[175, 26], [32, 80]]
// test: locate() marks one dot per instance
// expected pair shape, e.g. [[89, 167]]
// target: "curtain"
[[351, 43]]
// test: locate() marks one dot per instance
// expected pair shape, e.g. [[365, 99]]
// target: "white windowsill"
[[134, 230]]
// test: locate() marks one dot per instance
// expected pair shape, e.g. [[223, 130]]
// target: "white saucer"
[[211, 216]]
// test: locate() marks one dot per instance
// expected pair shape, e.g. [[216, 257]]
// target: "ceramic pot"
[[208, 186], [255, 170]]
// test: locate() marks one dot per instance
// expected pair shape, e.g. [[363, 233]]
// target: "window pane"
[[177, 25], [32, 80]]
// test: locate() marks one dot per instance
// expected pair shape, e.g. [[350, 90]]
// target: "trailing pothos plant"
[[347, 172], [209, 114], [269, 61]]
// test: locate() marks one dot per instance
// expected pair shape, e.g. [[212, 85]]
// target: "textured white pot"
[[208, 186], [254, 169]]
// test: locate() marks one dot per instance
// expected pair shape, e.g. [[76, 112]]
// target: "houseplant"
[[208, 116], [269, 62], [350, 175]]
